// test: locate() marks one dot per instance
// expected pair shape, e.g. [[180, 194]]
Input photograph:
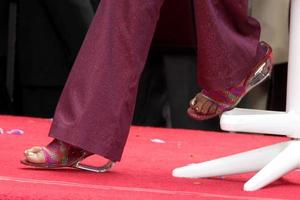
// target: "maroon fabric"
[[227, 42], [96, 107]]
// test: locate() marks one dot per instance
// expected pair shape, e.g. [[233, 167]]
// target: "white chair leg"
[[249, 161], [261, 121], [285, 162]]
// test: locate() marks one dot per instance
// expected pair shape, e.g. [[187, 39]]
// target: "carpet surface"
[[144, 172]]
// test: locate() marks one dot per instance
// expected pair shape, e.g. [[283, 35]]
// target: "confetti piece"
[[158, 141], [1, 131], [15, 132]]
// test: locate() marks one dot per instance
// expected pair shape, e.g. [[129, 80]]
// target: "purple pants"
[[96, 106]]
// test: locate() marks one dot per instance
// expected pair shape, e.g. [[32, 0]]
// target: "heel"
[[104, 168], [261, 74]]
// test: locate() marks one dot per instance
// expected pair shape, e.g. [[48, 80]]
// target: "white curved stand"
[[273, 161]]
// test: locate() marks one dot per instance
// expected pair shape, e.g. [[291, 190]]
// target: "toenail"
[[30, 154], [193, 102]]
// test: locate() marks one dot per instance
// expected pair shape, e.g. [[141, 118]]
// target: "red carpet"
[[144, 173]]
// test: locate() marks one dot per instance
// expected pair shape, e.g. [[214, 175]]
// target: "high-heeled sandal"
[[60, 155], [214, 103]]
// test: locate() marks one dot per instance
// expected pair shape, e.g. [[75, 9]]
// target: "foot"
[[59, 154], [211, 103], [35, 155], [55, 154]]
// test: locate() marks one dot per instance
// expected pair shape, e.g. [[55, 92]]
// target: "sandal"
[[59, 154], [211, 103]]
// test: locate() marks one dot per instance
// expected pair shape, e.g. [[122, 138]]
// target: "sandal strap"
[[224, 98], [50, 156], [230, 97], [59, 153]]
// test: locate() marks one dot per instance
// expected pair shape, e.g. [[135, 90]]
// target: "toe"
[[206, 107], [34, 155], [193, 102], [213, 108], [198, 107], [34, 149]]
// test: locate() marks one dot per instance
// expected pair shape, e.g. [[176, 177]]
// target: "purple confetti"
[[15, 132]]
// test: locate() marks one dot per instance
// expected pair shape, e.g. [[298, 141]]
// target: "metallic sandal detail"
[[223, 100], [104, 168]]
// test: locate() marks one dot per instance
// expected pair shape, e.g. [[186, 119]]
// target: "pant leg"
[[96, 107], [227, 42]]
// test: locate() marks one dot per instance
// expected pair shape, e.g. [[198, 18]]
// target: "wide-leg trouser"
[[96, 106]]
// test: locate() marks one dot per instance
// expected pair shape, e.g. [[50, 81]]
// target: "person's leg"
[[229, 55], [96, 106]]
